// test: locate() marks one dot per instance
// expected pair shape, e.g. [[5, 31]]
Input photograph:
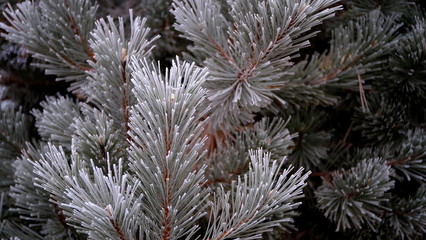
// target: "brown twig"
[[327, 176], [60, 215], [333, 74], [118, 229], [114, 223], [72, 63], [363, 99], [166, 223], [401, 161], [124, 101], [77, 32]]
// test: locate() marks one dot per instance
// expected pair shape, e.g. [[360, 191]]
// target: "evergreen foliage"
[[212, 119]]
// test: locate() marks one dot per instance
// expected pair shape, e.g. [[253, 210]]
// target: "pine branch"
[[167, 122], [355, 197], [231, 158], [244, 67], [110, 87], [55, 121], [357, 49], [14, 131], [80, 190], [246, 211], [35, 25], [32, 202], [151, 152]]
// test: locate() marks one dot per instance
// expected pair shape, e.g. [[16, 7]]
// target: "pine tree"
[[209, 119]]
